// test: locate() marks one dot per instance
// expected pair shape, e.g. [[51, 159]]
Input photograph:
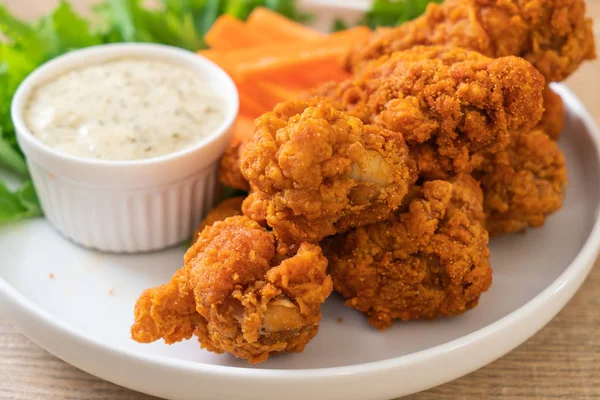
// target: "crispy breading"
[[320, 172], [453, 107], [167, 312], [229, 168], [238, 294], [431, 260], [225, 209], [553, 119], [255, 208], [523, 184], [554, 35]]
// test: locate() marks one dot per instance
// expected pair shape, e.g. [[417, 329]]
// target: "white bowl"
[[126, 206]]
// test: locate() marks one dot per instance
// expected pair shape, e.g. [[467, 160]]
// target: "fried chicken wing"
[[454, 107], [523, 184], [554, 35], [229, 168], [318, 171], [553, 119], [238, 294], [430, 260], [255, 208], [225, 209], [167, 312]]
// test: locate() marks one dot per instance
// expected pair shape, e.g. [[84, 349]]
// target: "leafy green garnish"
[[395, 12], [339, 25], [12, 159], [20, 204], [129, 21], [180, 23]]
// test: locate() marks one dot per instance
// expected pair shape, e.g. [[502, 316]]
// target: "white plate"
[[84, 312]]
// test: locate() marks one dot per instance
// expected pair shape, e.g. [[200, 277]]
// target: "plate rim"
[[579, 267]]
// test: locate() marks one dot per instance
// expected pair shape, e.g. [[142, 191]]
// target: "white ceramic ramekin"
[[127, 206]]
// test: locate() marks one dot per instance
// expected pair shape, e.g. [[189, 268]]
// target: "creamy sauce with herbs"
[[124, 109]]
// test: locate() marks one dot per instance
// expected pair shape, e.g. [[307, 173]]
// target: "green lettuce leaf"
[[12, 159], [20, 204], [395, 12]]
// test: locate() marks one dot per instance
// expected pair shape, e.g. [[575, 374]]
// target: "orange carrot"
[[253, 53], [277, 91], [218, 57], [295, 60], [270, 73], [243, 129], [261, 95], [261, 62], [249, 106], [294, 83], [304, 77], [230, 33], [331, 70], [347, 37], [293, 66], [277, 26]]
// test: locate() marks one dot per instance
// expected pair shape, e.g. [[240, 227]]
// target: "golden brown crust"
[[167, 312], [454, 107], [553, 119], [255, 208], [238, 294], [553, 35], [320, 172], [229, 168], [523, 184], [225, 209], [431, 260]]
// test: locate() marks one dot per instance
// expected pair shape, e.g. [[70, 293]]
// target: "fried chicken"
[[523, 184], [431, 260], [554, 35], [553, 119], [166, 312], [225, 209], [229, 168], [318, 171], [238, 294], [255, 208], [454, 107]]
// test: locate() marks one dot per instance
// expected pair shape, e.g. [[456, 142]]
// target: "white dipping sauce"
[[124, 109]]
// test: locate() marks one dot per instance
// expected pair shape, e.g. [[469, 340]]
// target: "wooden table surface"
[[560, 361]]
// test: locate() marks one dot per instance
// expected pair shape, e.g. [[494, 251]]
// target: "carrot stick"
[[288, 64], [260, 95], [289, 59], [221, 59], [263, 61], [277, 91], [216, 56], [331, 70], [347, 37], [298, 79], [277, 26], [293, 83], [249, 106], [230, 33], [243, 129]]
